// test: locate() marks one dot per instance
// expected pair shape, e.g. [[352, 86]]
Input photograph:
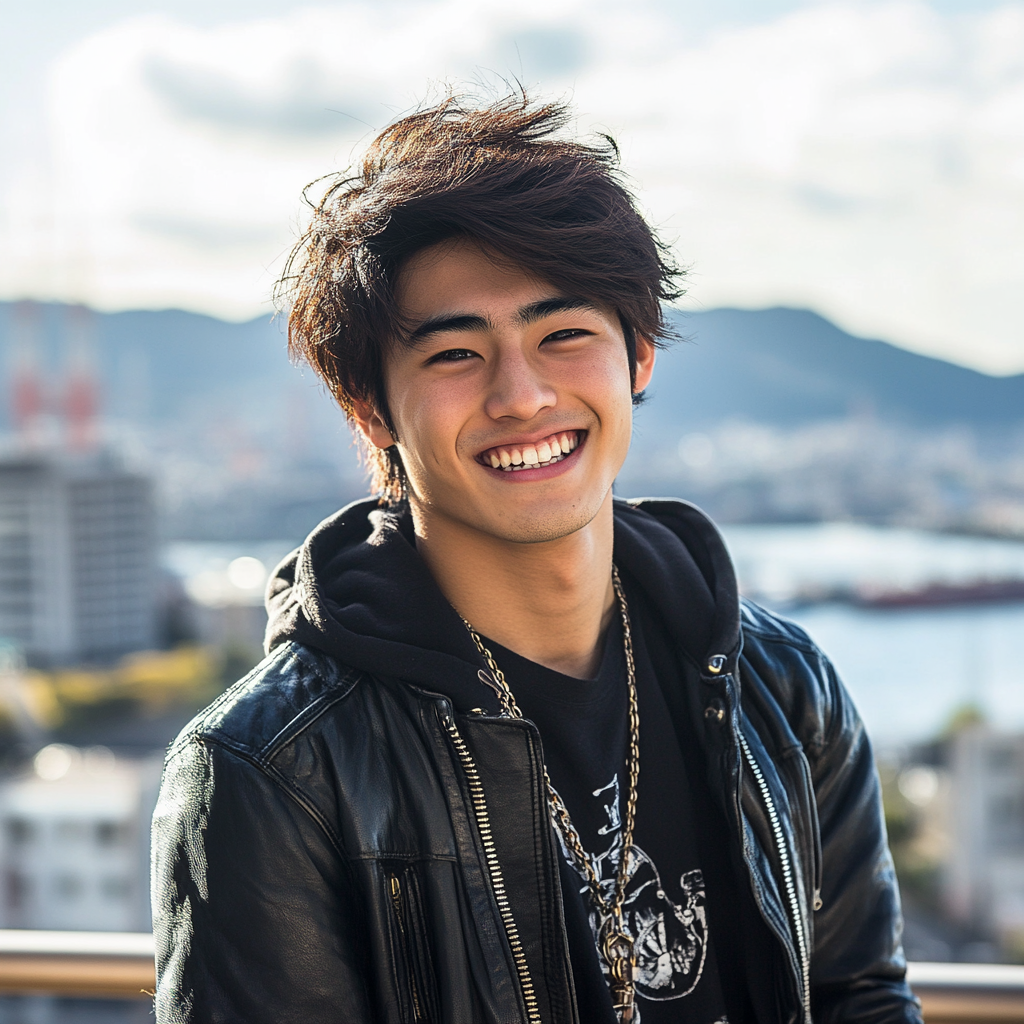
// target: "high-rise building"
[[78, 575]]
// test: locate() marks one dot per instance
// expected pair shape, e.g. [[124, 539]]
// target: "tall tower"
[[81, 394], [27, 396]]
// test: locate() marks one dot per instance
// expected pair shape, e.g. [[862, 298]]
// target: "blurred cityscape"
[[155, 466]]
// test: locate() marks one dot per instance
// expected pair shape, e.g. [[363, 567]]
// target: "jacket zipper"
[[396, 901], [483, 823], [787, 877]]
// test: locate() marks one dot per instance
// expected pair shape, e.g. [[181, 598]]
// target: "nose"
[[517, 388]]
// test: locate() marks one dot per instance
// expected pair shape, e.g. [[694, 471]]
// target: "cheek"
[[603, 383], [428, 421]]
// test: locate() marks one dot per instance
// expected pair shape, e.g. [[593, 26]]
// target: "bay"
[[907, 669]]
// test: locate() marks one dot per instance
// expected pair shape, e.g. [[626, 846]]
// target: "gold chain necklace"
[[615, 943]]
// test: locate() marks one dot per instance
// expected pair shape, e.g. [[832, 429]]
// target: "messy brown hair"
[[503, 174]]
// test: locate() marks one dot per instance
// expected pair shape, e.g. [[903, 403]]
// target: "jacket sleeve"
[[252, 909], [857, 967]]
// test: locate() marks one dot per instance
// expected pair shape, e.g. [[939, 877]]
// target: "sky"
[[862, 159]]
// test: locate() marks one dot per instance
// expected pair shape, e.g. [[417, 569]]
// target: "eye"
[[451, 355], [567, 333]]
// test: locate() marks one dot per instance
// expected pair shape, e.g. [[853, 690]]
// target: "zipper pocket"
[[815, 826], [787, 877], [400, 908]]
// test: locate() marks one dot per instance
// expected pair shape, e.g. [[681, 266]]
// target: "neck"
[[550, 601]]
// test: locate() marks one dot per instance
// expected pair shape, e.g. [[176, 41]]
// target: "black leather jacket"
[[336, 845]]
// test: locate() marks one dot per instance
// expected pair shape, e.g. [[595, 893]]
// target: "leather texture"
[[318, 857]]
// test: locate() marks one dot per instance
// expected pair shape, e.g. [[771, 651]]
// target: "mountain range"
[[777, 366], [789, 366], [766, 415]]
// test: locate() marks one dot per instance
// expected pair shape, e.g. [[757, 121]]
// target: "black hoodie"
[[359, 591]]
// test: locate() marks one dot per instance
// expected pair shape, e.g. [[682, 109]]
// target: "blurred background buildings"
[[74, 835], [832, 173], [77, 557]]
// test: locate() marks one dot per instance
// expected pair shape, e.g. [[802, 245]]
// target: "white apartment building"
[[77, 557], [984, 874], [74, 842]]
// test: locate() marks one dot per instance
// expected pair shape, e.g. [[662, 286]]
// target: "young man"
[[518, 752]]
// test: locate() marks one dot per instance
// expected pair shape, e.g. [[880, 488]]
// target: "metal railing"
[[969, 993], [120, 965], [115, 965]]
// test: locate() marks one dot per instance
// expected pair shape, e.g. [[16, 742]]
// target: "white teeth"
[[525, 466], [549, 451]]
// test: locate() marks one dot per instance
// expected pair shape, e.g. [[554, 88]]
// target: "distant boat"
[[942, 595]]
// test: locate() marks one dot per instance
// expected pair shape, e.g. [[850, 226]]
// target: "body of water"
[[908, 669]]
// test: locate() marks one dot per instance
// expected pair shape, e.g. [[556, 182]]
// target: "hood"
[[359, 591]]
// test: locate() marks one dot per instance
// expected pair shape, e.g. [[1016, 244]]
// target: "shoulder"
[[351, 749], [771, 628], [784, 670], [278, 700]]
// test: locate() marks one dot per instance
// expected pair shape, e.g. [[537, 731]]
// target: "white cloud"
[[866, 161]]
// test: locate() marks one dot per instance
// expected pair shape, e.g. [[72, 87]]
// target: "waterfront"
[[908, 669]]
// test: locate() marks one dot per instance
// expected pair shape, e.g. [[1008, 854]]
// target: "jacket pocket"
[[807, 805], [413, 963]]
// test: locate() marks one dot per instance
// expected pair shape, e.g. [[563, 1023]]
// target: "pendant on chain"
[[617, 949]]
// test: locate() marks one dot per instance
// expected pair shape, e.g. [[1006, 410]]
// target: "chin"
[[539, 526]]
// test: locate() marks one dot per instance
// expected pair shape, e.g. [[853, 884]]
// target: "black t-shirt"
[[680, 906]]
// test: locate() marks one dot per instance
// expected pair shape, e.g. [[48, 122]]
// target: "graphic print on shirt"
[[670, 940]]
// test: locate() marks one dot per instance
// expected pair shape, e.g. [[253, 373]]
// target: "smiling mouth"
[[536, 455]]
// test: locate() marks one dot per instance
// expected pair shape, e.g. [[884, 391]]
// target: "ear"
[[645, 353], [370, 424]]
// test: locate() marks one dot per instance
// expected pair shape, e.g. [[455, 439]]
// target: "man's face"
[[511, 399]]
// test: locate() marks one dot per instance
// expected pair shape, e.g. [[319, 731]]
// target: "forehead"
[[460, 275]]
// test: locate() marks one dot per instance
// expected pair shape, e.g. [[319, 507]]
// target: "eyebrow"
[[557, 304], [454, 322], [467, 322]]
